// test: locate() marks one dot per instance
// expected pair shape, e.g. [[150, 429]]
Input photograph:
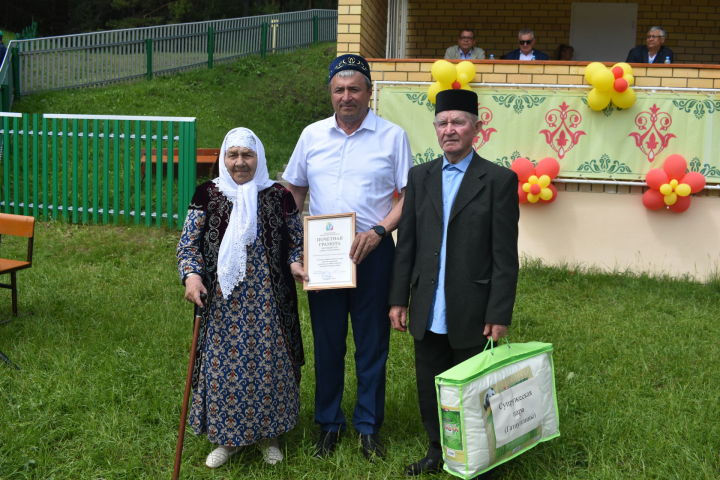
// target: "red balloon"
[[535, 189], [523, 167], [653, 200], [656, 177], [682, 204], [618, 72], [547, 166], [522, 196], [620, 85], [675, 166], [456, 85], [695, 180]]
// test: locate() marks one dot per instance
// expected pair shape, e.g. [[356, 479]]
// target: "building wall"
[[603, 226], [373, 30], [692, 25], [362, 27]]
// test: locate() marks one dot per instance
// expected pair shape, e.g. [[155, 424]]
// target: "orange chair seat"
[[7, 265]]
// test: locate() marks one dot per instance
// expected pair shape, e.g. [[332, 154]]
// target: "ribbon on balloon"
[[610, 84], [535, 181], [670, 186], [449, 75]]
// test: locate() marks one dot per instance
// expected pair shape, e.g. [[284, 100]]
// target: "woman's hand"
[[193, 288], [298, 273]]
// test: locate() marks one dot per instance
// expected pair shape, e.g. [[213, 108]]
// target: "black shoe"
[[371, 446], [327, 443], [426, 464]]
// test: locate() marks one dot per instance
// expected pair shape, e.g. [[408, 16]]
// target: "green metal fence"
[[98, 58], [97, 169]]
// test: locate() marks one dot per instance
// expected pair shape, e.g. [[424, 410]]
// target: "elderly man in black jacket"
[[653, 51], [456, 259]]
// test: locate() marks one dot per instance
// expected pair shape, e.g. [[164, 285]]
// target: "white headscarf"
[[242, 226]]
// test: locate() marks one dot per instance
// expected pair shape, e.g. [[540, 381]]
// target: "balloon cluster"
[[670, 186], [610, 84], [535, 182], [448, 76]]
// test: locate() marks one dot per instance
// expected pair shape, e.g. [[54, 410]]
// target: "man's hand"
[[298, 273], [363, 244], [193, 288], [398, 318], [496, 332]]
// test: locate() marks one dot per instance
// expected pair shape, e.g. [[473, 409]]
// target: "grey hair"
[[350, 73], [471, 116], [526, 31], [659, 29]]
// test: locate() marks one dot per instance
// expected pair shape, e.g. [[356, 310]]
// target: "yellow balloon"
[[670, 199], [598, 100], [444, 72], [674, 183], [624, 99], [603, 80], [544, 181], [591, 69], [546, 194], [465, 72], [630, 79], [533, 179], [432, 92], [683, 190], [466, 87], [533, 198], [526, 187], [665, 189]]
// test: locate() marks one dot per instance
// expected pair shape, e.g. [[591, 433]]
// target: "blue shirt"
[[452, 175]]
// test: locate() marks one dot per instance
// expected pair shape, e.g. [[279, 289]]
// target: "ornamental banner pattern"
[[613, 144]]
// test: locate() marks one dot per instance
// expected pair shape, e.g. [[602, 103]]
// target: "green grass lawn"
[[103, 338], [103, 335]]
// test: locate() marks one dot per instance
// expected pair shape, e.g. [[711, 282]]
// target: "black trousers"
[[434, 355]]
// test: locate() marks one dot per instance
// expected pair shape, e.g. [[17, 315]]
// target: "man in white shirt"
[[353, 161], [465, 48]]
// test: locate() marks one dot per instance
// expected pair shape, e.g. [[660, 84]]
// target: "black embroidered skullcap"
[[349, 62], [464, 100]]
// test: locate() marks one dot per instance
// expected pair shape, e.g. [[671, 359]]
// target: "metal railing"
[[54, 63], [97, 169]]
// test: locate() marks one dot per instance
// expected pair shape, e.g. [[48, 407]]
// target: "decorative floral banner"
[[610, 144]]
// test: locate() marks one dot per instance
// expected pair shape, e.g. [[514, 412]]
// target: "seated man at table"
[[653, 51], [526, 38], [465, 49]]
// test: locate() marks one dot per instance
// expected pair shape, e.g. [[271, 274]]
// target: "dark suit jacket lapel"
[[433, 186], [471, 185]]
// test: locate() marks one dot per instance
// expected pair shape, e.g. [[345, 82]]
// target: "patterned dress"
[[247, 374]]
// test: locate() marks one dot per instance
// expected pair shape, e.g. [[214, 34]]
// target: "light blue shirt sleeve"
[[452, 175]]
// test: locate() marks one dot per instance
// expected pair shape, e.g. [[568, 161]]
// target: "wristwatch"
[[380, 230]]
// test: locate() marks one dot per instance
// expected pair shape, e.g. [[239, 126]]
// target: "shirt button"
[[432, 281]]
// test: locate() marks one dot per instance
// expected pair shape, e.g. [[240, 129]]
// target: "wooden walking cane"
[[188, 386]]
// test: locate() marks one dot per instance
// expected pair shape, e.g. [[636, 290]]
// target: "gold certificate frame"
[[327, 243]]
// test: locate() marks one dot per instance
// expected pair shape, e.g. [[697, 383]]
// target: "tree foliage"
[[60, 17]]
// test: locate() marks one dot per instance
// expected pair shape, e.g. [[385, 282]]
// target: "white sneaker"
[[271, 451], [220, 456]]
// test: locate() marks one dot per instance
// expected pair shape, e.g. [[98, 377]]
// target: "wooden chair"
[[17, 226]]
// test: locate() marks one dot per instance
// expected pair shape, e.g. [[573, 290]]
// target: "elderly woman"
[[242, 245]]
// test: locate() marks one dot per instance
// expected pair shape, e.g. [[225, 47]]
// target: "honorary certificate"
[[327, 251]]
